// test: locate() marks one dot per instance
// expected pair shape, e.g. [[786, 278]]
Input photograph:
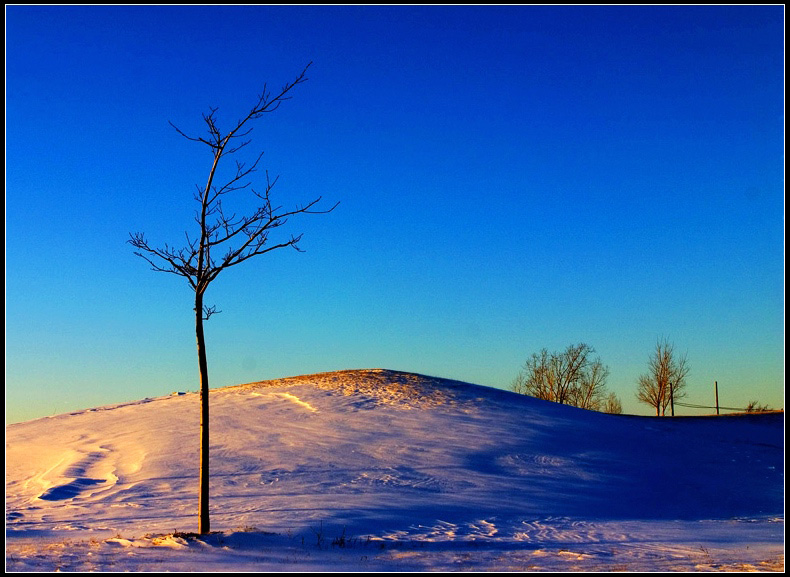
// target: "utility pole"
[[671, 401], [716, 390]]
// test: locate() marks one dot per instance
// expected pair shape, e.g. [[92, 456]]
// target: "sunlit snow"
[[377, 470]]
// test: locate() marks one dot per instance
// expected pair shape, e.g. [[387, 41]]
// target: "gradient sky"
[[509, 178]]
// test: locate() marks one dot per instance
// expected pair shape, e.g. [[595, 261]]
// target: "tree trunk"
[[204, 525]]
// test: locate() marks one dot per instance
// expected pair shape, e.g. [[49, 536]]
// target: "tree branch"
[[218, 227]]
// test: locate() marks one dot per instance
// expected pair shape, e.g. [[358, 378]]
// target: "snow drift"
[[397, 460]]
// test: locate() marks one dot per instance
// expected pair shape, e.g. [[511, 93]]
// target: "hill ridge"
[[386, 386]]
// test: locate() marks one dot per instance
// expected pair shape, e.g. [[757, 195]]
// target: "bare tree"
[[755, 407], [223, 240], [665, 379], [571, 377], [590, 389], [612, 405]]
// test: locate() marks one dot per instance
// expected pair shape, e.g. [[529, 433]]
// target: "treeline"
[[573, 377], [576, 377]]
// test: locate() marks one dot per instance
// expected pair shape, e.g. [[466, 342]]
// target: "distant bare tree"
[[612, 405], [571, 377], [590, 389], [665, 379], [755, 407], [223, 240]]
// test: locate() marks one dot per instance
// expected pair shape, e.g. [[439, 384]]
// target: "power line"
[[707, 407]]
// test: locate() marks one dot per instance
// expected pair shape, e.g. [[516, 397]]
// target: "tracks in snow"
[[91, 472]]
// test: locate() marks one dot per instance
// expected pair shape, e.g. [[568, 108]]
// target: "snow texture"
[[377, 470]]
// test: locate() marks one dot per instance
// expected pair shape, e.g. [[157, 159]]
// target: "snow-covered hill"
[[384, 470]]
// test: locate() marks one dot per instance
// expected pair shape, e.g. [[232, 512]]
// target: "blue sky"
[[509, 179]]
